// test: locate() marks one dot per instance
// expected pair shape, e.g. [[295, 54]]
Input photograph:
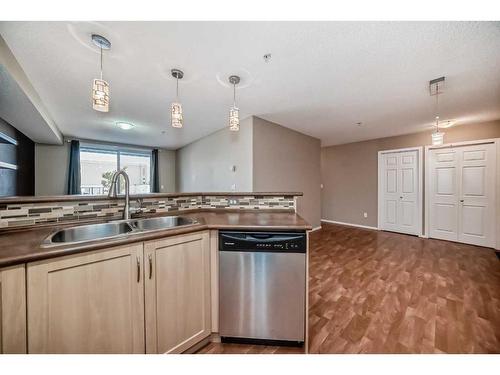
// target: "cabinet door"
[[13, 310], [87, 303], [177, 290]]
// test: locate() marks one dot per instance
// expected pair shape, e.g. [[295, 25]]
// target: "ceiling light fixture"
[[124, 125], [434, 88], [176, 111], [100, 88], [447, 124], [234, 112]]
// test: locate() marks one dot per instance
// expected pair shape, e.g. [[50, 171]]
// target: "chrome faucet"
[[112, 191]]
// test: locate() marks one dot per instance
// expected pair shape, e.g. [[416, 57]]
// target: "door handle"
[[138, 269], [150, 259]]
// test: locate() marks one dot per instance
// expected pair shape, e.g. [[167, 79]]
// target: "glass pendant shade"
[[176, 118], [100, 88], [176, 115], [100, 95], [434, 86], [234, 112], [437, 138], [234, 119]]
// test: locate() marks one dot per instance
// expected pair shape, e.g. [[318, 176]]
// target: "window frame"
[[119, 150]]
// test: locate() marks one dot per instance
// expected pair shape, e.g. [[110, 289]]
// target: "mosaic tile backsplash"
[[31, 214]]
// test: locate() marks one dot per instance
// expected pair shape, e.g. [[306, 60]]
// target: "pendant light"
[[434, 86], [176, 111], [234, 112], [100, 88]]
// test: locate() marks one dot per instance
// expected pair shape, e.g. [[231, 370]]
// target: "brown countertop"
[[23, 246]]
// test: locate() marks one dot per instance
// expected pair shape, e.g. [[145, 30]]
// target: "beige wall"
[[349, 172], [51, 169], [206, 164], [267, 156], [166, 168], [286, 160]]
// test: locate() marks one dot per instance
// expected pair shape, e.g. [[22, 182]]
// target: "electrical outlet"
[[233, 187], [321, 186], [365, 214]]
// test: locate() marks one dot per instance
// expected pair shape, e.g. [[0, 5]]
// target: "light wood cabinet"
[[177, 292], [87, 303], [13, 310]]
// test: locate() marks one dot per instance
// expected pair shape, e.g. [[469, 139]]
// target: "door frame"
[[496, 142], [420, 197]]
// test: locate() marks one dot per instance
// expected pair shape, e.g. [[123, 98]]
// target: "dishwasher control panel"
[[291, 242]]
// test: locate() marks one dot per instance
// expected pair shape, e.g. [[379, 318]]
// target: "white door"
[[462, 194], [400, 192]]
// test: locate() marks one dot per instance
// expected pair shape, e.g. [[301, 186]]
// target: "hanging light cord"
[[101, 63], [437, 107], [177, 87], [234, 94]]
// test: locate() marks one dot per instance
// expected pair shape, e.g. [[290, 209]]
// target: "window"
[[98, 163]]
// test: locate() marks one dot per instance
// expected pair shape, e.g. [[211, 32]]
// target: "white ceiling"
[[323, 77], [28, 120]]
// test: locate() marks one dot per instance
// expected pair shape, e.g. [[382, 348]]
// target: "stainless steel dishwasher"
[[262, 285]]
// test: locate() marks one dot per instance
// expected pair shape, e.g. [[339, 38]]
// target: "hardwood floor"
[[381, 292], [220, 348]]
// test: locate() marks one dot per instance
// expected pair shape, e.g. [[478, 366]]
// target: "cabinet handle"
[[138, 270], [150, 258], [461, 201]]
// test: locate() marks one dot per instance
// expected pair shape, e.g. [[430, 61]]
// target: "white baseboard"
[[315, 229], [349, 224]]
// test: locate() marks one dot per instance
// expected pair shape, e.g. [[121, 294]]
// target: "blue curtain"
[[155, 176], [74, 178]]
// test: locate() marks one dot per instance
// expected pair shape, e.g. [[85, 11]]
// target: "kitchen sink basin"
[[156, 223], [93, 232]]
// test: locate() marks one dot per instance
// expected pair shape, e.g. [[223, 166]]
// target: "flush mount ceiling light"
[[124, 125], [100, 88], [447, 124], [234, 112], [176, 111], [435, 87]]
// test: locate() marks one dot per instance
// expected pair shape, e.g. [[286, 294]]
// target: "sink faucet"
[[112, 191]]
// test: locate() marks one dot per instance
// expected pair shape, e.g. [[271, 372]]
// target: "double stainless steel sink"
[[92, 232]]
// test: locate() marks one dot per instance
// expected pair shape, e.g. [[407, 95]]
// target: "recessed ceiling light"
[[124, 125], [267, 57]]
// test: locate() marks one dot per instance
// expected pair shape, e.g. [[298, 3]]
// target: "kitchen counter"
[[21, 246]]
